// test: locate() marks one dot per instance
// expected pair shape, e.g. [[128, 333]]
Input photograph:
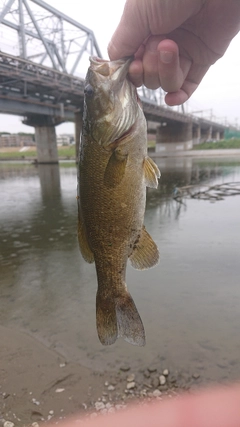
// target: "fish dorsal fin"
[[82, 239], [151, 172], [145, 253], [115, 169]]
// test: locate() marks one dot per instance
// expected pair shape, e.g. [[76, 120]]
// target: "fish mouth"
[[116, 70]]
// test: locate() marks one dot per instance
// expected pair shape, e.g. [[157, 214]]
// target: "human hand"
[[211, 408], [174, 42]]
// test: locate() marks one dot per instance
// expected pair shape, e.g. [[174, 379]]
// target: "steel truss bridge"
[[43, 59]]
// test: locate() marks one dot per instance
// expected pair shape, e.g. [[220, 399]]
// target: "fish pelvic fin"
[[118, 317], [145, 252], [151, 173]]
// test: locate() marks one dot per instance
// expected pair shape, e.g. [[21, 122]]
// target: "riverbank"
[[38, 384], [198, 153], [162, 154]]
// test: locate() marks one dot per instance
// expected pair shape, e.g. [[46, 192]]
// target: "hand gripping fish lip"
[[116, 70]]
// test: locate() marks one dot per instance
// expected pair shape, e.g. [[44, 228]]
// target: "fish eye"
[[88, 90]]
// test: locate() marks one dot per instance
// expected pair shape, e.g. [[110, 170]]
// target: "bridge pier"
[[174, 136], [206, 134], [45, 136], [196, 134]]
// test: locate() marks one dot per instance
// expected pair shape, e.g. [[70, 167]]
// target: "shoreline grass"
[[219, 145], [69, 152], [65, 152]]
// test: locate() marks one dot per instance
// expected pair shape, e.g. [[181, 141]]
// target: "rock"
[[106, 383], [111, 387], [131, 385], [35, 424], [59, 390], [8, 424], [146, 374], [156, 393], [166, 372], [125, 368], [196, 376], [162, 380], [99, 406], [62, 365], [164, 387], [130, 378], [108, 405], [111, 410], [51, 412], [155, 382], [152, 369], [35, 401]]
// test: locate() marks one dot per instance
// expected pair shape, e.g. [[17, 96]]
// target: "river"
[[189, 303]]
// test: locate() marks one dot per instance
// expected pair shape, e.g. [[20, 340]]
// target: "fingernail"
[[166, 57]]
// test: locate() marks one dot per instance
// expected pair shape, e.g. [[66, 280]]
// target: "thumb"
[[132, 30]]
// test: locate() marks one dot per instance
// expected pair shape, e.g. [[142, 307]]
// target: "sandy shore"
[[37, 384]]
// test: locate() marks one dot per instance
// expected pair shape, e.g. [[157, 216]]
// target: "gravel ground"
[[38, 385]]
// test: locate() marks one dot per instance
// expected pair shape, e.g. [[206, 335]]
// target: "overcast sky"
[[219, 90]]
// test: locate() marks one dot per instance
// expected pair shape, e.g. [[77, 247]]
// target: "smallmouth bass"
[[114, 170]]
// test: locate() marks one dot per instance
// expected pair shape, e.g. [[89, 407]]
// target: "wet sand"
[[35, 380]]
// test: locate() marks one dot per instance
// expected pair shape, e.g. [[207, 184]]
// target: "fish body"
[[114, 170]]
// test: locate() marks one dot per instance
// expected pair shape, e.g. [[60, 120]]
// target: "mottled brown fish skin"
[[112, 195]]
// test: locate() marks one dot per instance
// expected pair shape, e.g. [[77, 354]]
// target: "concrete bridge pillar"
[[216, 135], [206, 134], [196, 134], [174, 136], [45, 136], [78, 130]]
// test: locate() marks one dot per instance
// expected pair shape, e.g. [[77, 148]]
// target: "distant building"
[[15, 140], [65, 139]]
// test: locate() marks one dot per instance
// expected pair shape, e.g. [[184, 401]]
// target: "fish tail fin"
[[117, 316]]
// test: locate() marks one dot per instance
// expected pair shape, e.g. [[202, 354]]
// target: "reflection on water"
[[189, 303]]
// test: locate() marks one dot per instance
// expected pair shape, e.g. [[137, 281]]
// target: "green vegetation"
[[219, 145], [231, 133], [63, 152], [18, 155], [151, 144]]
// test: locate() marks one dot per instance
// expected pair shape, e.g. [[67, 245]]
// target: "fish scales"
[[114, 170]]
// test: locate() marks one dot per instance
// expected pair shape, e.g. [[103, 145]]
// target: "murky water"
[[189, 303]]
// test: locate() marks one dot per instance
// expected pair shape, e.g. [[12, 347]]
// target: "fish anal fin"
[[145, 252], [151, 172], [83, 241], [115, 169]]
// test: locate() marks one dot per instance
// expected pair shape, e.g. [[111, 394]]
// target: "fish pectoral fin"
[[145, 253], [115, 169], [151, 172], [83, 241]]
